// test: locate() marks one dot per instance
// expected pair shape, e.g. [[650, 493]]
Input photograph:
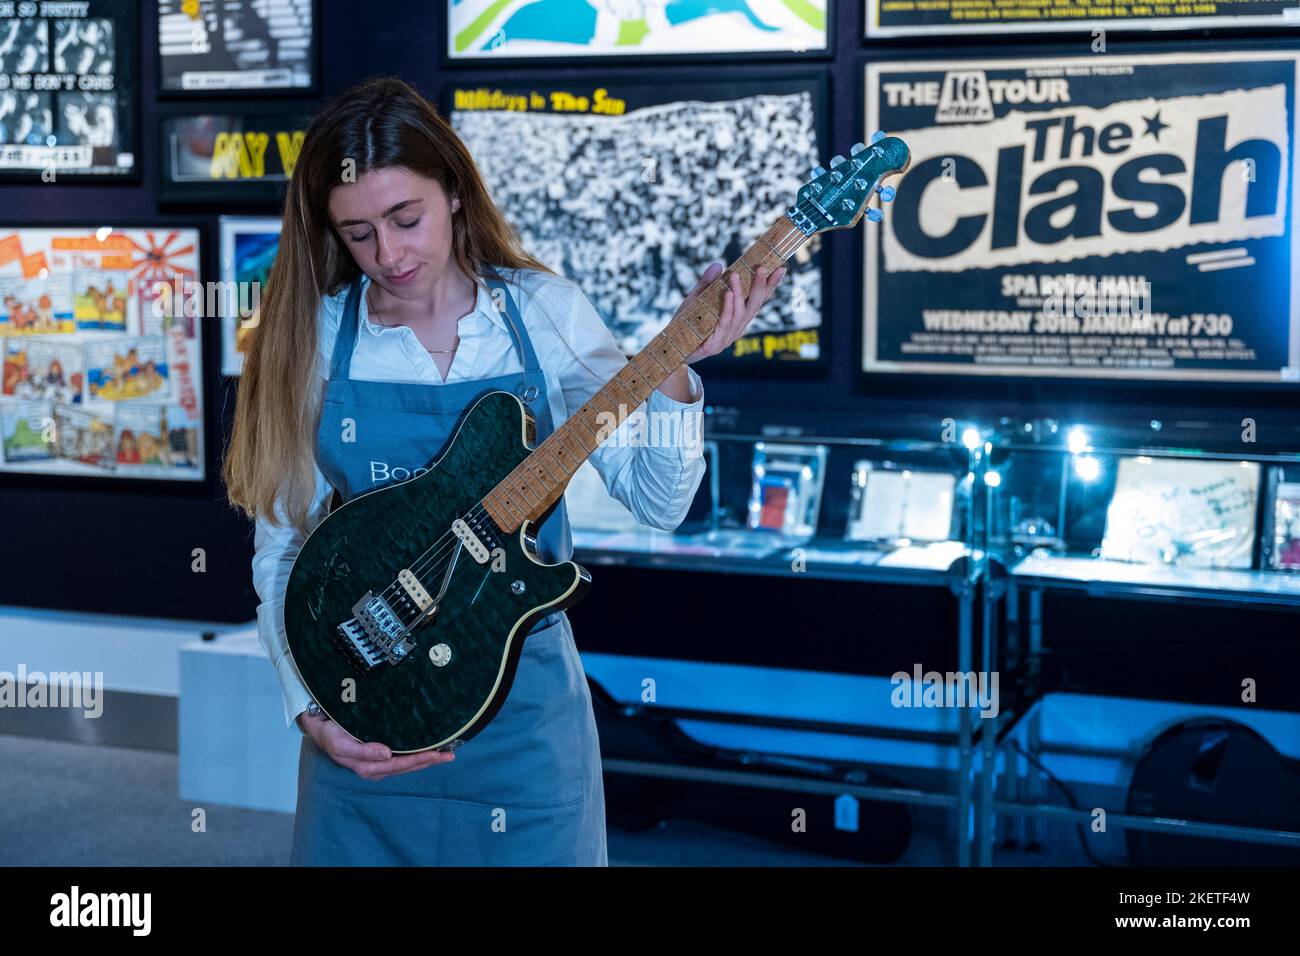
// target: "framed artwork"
[[227, 157], [248, 248], [103, 356], [525, 31], [1088, 217], [237, 46], [632, 186], [907, 18], [68, 90]]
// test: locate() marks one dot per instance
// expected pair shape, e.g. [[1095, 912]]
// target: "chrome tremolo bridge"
[[376, 635]]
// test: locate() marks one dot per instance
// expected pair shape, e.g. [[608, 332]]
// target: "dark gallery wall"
[[126, 548]]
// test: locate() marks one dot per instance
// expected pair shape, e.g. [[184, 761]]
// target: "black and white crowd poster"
[[1089, 216]]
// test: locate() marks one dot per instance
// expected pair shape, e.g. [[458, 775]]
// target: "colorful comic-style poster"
[[96, 319], [1090, 217]]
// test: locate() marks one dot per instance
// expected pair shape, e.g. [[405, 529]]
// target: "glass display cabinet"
[[1189, 512], [892, 503]]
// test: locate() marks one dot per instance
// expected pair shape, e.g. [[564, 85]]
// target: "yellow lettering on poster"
[[289, 145]]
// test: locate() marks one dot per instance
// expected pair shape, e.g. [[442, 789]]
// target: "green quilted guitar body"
[[460, 662]]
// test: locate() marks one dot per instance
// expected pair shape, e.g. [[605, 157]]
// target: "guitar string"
[[443, 547]]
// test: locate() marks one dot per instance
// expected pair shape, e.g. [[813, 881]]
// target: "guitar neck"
[[540, 479]]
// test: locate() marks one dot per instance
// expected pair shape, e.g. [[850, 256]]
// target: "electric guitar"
[[423, 591]]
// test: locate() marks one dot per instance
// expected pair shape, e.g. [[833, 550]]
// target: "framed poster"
[[530, 30], [248, 248], [905, 18], [225, 157], [1088, 217], [237, 46], [103, 357], [67, 90], [632, 186]]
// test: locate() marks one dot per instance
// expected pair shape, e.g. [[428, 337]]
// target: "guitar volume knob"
[[440, 655]]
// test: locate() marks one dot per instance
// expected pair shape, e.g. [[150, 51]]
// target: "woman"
[[399, 279]]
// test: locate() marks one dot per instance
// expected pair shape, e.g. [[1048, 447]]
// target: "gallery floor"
[[70, 804]]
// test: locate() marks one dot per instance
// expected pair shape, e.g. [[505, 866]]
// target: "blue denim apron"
[[527, 790]]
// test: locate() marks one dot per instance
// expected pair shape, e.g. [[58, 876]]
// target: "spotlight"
[[970, 438], [1087, 468], [1077, 441]]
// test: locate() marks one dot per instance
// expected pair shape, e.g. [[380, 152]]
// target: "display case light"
[[1087, 467]]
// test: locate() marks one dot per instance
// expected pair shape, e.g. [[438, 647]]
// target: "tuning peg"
[[818, 171], [877, 136], [874, 214], [887, 193], [857, 148], [836, 160]]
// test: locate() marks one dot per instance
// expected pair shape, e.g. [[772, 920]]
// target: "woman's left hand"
[[738, 310]]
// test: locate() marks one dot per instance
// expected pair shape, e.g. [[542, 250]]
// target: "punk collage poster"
[[631, 188], [67, 89], [1088, 217]]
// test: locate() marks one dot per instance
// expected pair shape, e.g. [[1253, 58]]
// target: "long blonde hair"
[[380, 123]]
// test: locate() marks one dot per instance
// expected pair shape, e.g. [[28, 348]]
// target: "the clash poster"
[[1088, 217], [896, 18], [67, 89]]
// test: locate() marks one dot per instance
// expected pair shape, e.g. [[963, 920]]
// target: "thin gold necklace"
[[375, 312]]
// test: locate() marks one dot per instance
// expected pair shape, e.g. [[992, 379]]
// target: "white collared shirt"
[[656, 480]]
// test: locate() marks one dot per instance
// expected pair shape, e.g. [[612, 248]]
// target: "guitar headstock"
[[837, 198]]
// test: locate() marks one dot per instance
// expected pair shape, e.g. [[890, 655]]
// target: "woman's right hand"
[[368, 761]]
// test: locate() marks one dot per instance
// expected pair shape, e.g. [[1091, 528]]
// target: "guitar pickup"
[[476, 548], [416, 591]]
